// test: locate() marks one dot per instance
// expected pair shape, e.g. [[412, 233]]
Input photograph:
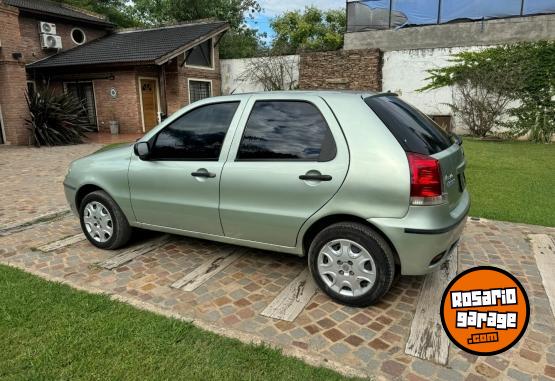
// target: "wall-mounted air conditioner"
[[47, 27], [49, 41]]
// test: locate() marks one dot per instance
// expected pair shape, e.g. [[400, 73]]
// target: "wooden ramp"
[[427, 340], [134, 252], [292, 299], [213, 265], [544, 252], [68, 241]]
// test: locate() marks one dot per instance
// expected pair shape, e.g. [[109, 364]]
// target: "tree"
[[523, 73], [273, 72], [241, 43], [156, 12], [117, 11], [311, 30]]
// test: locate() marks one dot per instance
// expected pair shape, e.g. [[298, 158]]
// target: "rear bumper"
[[425, 237]]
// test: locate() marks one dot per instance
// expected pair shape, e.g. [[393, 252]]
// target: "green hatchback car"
[[362, 184]]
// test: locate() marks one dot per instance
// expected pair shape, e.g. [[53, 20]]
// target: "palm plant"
[[56, 118]]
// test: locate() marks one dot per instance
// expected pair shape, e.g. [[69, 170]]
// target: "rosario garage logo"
[[485, 310]]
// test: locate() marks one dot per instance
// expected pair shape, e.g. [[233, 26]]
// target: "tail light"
[[425, 180]]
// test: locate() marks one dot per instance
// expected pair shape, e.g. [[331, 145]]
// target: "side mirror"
[[142, 150]]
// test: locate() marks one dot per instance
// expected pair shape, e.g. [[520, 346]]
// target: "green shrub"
[[523, 73], [56, 118]]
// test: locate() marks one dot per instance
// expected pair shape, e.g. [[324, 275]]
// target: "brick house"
[[131, 76]]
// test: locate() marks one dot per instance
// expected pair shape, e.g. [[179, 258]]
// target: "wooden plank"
[[62, 243], [32, 222], [292, 299], [134, 252], [213, 265], [427, 340], [544, 252]]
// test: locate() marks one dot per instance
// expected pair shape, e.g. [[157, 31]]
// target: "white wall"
[[232, 70], [405, 71]]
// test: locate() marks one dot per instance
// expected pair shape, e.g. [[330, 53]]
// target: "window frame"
[[73, 39], [212, 63], [333, 152], [152, 140], [198, 80]]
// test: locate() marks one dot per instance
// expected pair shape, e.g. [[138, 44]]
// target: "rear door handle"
[[315, 177], [207, 174]]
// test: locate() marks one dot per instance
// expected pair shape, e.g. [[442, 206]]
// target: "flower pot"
[[114, 127]]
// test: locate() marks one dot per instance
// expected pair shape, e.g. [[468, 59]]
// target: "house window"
[[78, 36], [31, 87], [199, 89], [200, 55], [84, 92]]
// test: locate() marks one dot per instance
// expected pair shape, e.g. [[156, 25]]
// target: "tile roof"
[[135, 46], [57, 9]]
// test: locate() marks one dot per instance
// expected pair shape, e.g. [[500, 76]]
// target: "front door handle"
[[315, 177], [204, 173]]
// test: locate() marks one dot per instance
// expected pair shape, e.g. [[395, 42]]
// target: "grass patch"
[[50, 331], [511, 181]]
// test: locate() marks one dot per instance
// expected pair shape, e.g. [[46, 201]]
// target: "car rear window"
[[412, 129]]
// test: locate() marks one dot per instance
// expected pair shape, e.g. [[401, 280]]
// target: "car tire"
[[103, 222], [342, 259]]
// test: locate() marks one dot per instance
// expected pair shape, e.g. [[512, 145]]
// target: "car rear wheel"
[[352, 263], [103, 222]]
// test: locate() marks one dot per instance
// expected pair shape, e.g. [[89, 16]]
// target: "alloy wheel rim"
[[346, 267], [98, 221]]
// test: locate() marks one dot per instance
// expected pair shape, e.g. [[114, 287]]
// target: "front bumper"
[[425, 233], [70, 192]]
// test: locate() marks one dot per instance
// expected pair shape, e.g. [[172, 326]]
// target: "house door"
[[84, 91], [149, 100]]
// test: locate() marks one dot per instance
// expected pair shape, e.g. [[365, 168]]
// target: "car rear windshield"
[[412, 129]]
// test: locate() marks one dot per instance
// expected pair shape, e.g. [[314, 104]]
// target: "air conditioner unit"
[[47, 27], [49, 41]]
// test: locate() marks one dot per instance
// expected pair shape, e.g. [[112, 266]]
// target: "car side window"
[[197, 135], [286, 130]]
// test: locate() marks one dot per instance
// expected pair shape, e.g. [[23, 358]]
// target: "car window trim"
[[152, 141], [330, 134]]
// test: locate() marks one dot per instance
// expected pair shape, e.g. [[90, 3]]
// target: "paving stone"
[[424, 368], [518, 375]]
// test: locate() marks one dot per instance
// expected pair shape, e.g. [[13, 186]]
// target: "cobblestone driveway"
[[32, 179], [369, 340]]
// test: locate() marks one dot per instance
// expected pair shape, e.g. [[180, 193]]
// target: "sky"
[[272, 8]]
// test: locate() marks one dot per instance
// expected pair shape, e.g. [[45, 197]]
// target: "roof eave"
[[91, 65], [106, 24], [168, 56]]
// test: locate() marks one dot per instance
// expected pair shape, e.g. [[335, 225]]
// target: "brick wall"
[[341, 70], [125, 107], [12, 79], [30, 38]]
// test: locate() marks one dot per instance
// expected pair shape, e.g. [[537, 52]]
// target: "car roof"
[[363, 93]]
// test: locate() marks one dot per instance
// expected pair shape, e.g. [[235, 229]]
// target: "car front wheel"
[[352, 263], [103, 222]]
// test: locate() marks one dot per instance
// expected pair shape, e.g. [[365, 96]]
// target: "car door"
[[288, 161], [178, 186]]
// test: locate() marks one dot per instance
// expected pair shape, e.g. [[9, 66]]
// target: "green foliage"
[[241, 43], [523, 72], [117, 11], [311, 30], [56, 119], [167, 11]]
